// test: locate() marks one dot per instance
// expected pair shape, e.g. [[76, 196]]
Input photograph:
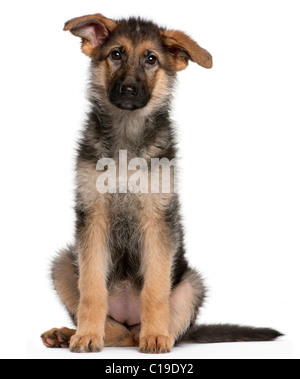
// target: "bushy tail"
[[227, 333]]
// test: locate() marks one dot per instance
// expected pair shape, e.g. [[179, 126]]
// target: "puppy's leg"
[[93, 267], [65, 279], [155, 336], [185, 300]]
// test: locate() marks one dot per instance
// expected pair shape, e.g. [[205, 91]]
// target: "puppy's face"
[[131, 68], [134, 62]]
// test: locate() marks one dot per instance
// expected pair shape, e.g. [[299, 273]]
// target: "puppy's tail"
[[227, 333]]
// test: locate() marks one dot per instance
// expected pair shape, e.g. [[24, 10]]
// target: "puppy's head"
[[134, 62]]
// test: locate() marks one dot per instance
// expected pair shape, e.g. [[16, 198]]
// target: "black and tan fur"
[[130, 246]]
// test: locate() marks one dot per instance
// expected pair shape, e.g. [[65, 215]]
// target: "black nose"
[[128, 89]]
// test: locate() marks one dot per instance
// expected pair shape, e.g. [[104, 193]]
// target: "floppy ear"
[[93, 30], [182, 49]]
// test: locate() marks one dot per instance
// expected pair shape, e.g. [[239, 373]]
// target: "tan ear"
[[92, 29], [183, 48]]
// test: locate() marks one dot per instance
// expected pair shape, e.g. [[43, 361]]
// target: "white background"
[[239, 137]]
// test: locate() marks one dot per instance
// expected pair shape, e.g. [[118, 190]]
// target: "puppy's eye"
[[151, 60], [116, 55]]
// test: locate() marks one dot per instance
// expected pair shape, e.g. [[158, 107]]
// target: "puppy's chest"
[[104, 181], [125, 235]]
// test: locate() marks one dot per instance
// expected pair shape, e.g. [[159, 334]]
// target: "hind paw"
[[57, 338]]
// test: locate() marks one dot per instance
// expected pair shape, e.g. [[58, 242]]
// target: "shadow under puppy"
[[125, 281]]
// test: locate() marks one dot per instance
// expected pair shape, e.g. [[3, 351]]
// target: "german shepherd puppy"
[[125, 281]]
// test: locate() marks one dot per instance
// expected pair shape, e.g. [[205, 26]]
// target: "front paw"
[[156, 344], [86, 343]]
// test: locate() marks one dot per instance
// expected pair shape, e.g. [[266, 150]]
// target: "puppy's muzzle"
[[128, 94]]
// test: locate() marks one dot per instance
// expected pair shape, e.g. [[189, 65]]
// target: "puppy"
[[125, 281]]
